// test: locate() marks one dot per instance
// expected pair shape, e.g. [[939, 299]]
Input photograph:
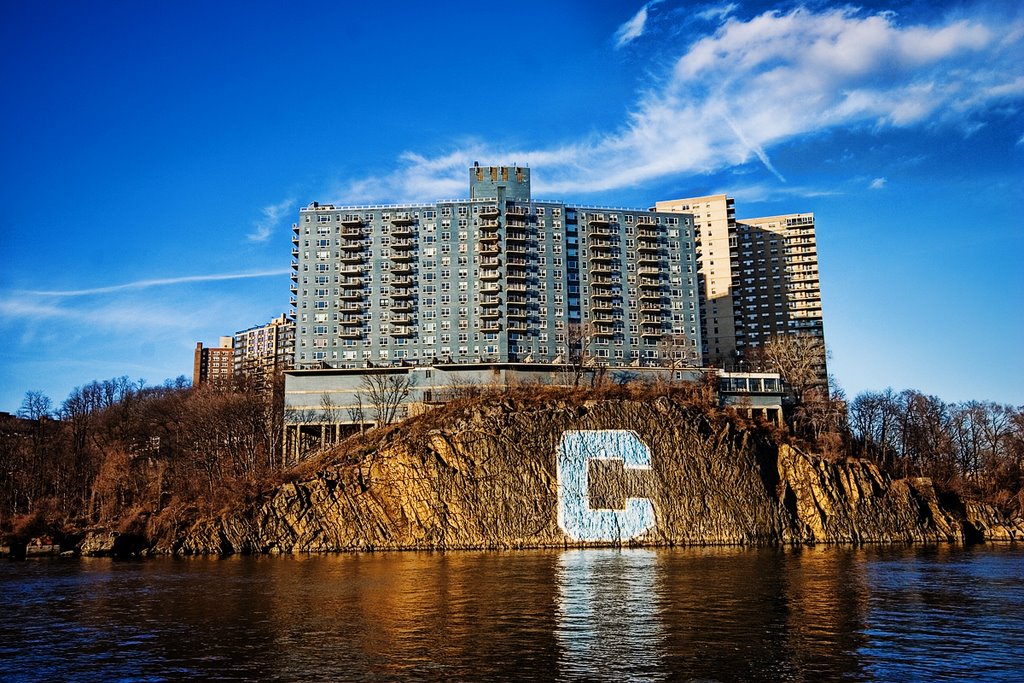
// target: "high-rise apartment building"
[[776, 288], [498, 277], [714, 226], [262, 351], [758, 277], [213, 365]]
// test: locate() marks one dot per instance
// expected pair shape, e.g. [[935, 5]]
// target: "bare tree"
[[799, 358], [36, 405], [677, 351], [386, 392], [578, 338]]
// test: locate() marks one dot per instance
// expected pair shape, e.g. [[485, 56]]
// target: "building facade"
[[261, 352], [714, 227], [776, 288], [213, 365], [498, 277], [758, 277]]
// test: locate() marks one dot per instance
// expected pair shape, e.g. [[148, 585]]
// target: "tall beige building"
[[758, 277], [714, 224], [776, 288]]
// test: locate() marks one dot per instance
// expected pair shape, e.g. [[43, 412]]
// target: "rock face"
[[488, 476]]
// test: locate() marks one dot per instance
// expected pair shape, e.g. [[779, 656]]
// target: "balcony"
[[491, 327], [402, 245], [488, 226], [402, 307], [403, 282], [603, 268], [490, 275], [402, 269], [295, 252], [401, 219], [512, 234], [490, 314], [403, 231], [351, 219], [351, 334], [352, 257], [403, 256], [516, 212], [351, 310], [652, 259], [352, 283], [490, 301], [603, 305], [649, 295], [352, 321], [599, 220], [353, 295], [488, 211], [353, 246], [490, 263], [602, 293], [490, 288], [646, 222], [402, 320], [402, 332], [518, 312], [402, 294]]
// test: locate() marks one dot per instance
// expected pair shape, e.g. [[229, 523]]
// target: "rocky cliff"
[[497, 474]]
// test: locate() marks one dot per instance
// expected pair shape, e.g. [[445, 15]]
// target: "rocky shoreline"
[[485, 477]]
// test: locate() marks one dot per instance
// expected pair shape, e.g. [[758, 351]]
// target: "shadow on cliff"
[[480, 472]]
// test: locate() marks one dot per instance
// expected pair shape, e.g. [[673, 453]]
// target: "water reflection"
[[609, 625], [714, 614]]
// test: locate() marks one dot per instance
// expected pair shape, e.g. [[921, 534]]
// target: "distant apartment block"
[[758, 277], [213, 365], [498, 277], [261, 352]]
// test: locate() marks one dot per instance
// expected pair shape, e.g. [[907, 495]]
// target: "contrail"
[[144, 284]]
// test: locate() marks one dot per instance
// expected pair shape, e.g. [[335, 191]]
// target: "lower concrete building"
[[325, 405]]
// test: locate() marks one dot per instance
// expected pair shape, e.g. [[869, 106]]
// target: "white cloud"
[[632, 29], [160, 282], [753, 84], [878, 183], [717, 12], [270, 216]]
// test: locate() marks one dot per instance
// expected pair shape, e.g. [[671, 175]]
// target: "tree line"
[[116, 451], [975, 448]]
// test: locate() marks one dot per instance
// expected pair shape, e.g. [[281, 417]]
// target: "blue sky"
[[155, 155]]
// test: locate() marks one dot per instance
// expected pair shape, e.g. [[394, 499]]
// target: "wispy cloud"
[[632, 29], [159, 282], [752, 84], [877, 184], [270, 217], [717, 12]]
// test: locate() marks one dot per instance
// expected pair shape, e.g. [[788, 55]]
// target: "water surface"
[[920, 613]]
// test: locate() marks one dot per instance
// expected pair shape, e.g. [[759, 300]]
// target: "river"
[[809, 614]]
